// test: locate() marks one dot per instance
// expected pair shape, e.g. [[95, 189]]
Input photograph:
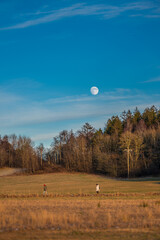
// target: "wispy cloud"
[[118, 94], [31, 112], [43, 119], [157, 79], [136, 15], [45, 136], [40, 115], [81, 9], [7, 98], [23, 82], [145, 15], [152, 16]]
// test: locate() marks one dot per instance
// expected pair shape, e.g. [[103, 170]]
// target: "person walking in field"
[[45, 190], [97, 188]]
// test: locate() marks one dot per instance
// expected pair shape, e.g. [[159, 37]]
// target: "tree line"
[[128, 146], [19, 152]]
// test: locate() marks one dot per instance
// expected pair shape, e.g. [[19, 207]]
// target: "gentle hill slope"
[[75, 183]]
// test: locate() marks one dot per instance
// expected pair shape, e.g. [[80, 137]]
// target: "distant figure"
[[45, 190], [97, 188]]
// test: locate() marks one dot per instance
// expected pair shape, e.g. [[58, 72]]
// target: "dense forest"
[[128, 146]]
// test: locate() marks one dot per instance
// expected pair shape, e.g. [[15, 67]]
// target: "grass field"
[[62, 183], [123, 210]]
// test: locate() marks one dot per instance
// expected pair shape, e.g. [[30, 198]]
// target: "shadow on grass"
[[144, 179]]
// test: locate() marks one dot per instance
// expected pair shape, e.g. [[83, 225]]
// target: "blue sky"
[[53, 52]]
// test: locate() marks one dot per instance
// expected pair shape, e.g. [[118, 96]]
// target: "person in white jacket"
[[97, 188], [45, 190]]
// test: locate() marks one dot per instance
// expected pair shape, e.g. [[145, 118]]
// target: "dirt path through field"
[[10, 171]]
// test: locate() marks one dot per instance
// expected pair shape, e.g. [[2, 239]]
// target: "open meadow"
[[72, 210]]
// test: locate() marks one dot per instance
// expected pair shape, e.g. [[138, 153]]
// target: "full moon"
[[94, 90]]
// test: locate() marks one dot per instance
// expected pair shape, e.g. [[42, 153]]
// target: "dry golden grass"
[[72, 206], [60, 214], [148, 195], [79, 235]]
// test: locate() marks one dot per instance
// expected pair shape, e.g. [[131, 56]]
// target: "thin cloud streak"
[[31, 112], [37, 115], [21, 83], [6, 98], [152, 16], [29, 117], [107, 11], [102, 119], [157, 79], [85, 98], [45, 136]]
